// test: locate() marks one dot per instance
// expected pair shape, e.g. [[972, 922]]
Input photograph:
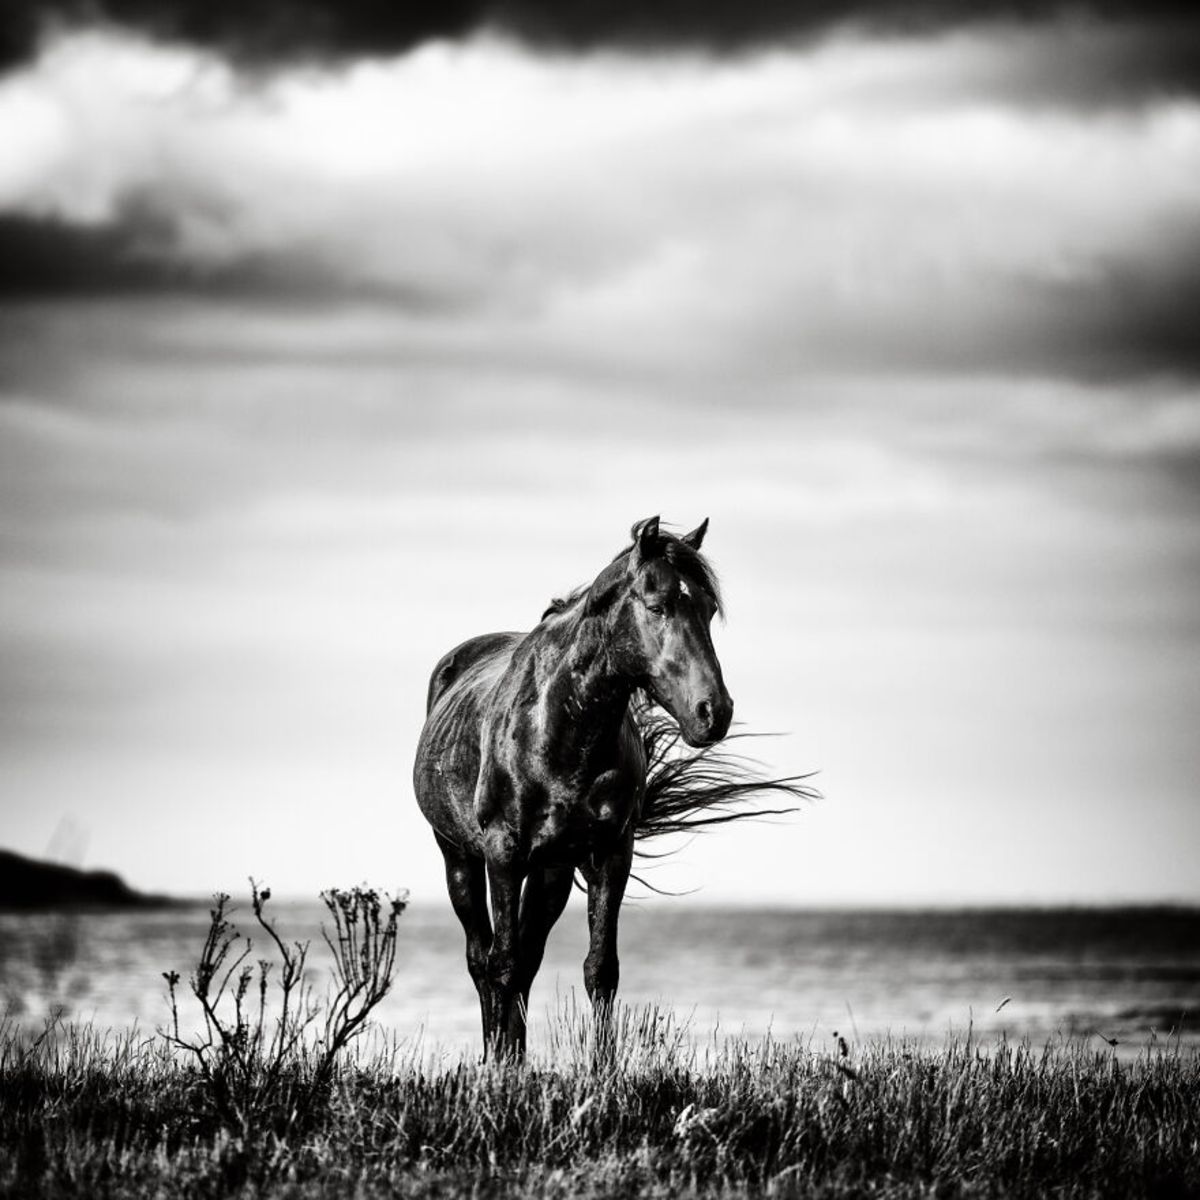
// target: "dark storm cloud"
[[47, 256], [730, 26], [261, 31], [275, 31], [139, 252], [1150, 318], [1130, 319]]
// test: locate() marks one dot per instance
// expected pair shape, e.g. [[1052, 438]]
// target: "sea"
[[1129, 976]]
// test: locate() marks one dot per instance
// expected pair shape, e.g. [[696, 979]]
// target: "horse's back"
[[453, 664]]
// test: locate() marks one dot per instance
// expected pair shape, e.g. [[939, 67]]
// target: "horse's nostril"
[[704, 712]]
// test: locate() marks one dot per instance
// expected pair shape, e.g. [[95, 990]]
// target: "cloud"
[[271, 32], [258, 30], [136, 251], [726, 25], [142, 249], [867, 203]]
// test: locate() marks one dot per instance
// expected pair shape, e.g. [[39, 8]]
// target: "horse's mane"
[[692, 566], [688, 788], [562, 603]]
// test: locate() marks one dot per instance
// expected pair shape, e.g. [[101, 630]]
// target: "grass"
[[83, 1114]]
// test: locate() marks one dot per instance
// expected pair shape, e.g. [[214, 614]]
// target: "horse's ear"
[[645, 529], [696, 538], [645, 539]]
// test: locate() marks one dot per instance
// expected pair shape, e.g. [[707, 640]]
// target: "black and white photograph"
[[599, 600]]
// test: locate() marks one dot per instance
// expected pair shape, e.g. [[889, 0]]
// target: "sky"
[[333, 335]]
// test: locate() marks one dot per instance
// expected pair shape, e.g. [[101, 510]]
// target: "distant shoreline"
[[33, 885]]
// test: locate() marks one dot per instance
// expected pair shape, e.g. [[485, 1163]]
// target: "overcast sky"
[[328, 339]]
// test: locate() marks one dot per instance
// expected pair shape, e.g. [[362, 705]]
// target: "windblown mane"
[[688, 789], [562, 603]]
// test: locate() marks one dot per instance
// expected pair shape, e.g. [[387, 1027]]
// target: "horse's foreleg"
[[546, 893], [606, 879], [504, 881], [467, 883]]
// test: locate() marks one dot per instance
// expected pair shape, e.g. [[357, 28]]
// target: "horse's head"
[[660, 597]]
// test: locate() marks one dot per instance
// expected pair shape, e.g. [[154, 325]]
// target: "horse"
[[542, 756]]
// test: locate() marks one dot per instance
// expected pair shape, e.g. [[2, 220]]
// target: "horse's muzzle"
[[709, 721]]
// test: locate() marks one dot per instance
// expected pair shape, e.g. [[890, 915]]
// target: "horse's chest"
[[543, 798], [556, 831], [565, 822]]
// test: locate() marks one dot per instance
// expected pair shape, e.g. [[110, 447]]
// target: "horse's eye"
[[657, 609]]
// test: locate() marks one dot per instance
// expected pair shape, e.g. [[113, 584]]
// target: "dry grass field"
[[82, 1114]]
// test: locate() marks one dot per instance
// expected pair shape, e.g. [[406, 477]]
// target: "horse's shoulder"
[[473, 652]]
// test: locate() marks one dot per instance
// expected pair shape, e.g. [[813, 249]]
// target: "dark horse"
[[537, 760]]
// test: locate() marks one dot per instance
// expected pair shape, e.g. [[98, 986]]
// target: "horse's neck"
[[585, 697]]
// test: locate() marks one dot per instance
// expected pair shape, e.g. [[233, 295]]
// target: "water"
[[1120, 973]]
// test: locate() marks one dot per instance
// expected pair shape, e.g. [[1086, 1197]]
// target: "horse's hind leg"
[[543, 899], [466, 880]]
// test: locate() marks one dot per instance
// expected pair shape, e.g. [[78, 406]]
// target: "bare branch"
[[244, 1068]]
